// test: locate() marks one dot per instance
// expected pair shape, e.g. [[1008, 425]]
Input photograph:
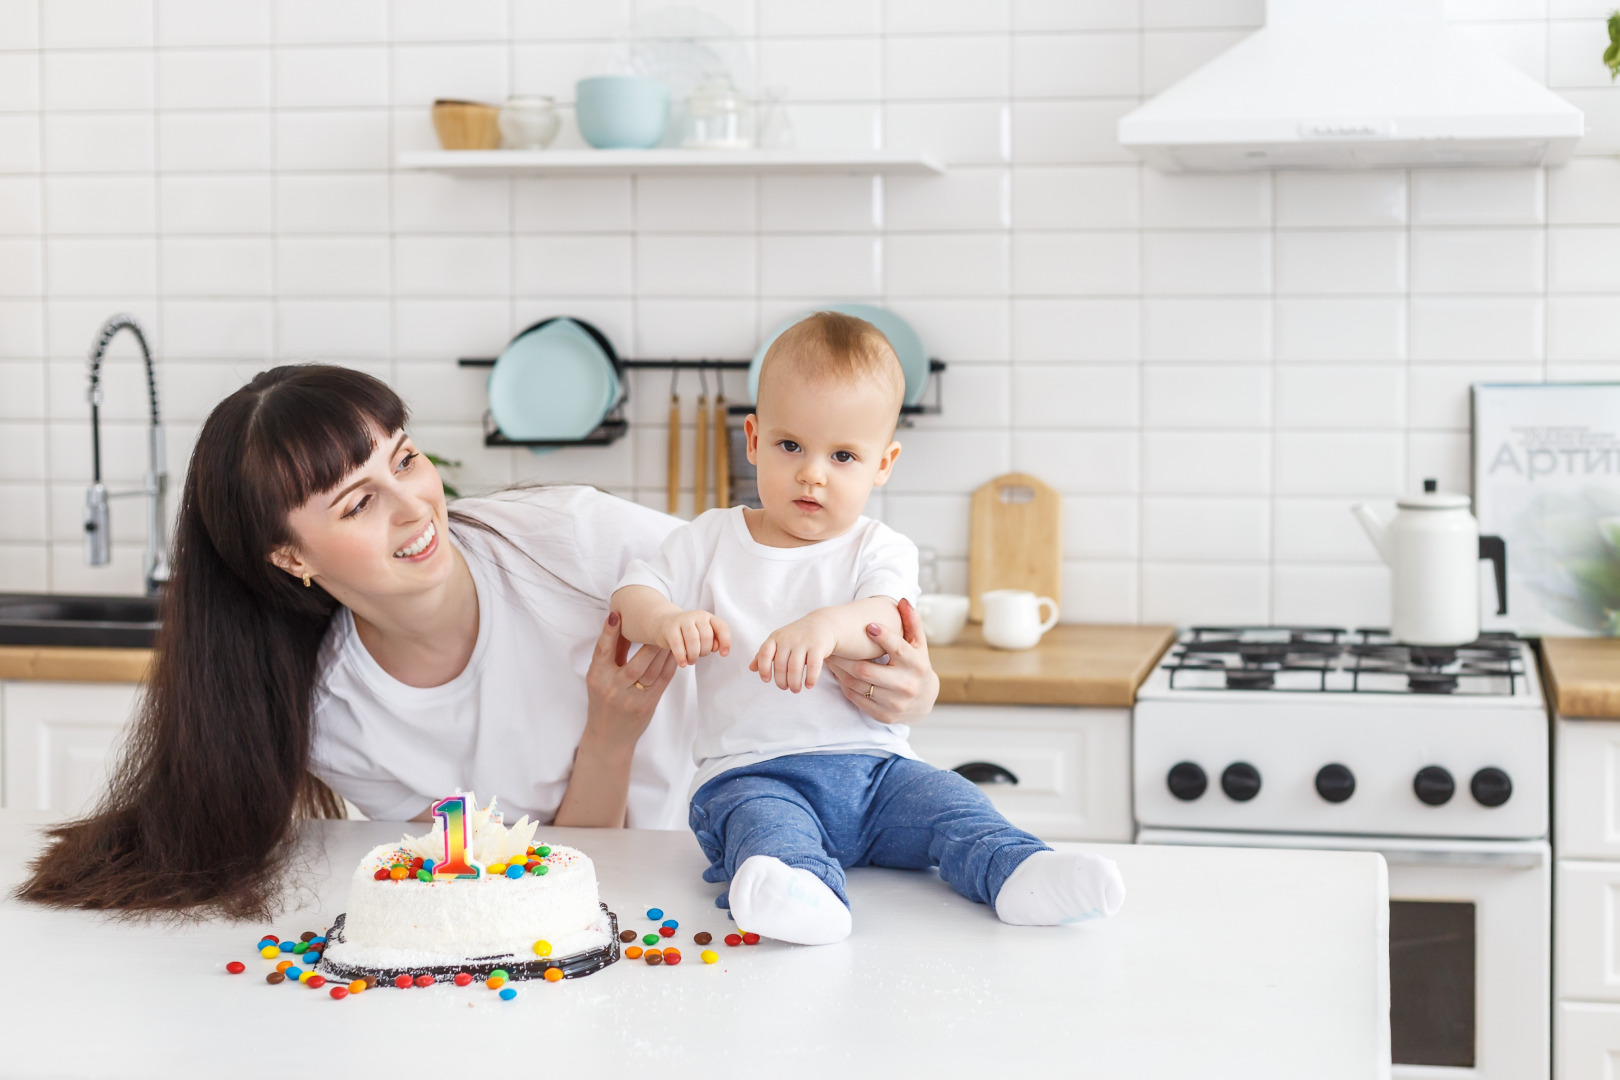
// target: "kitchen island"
[[1223, 963]]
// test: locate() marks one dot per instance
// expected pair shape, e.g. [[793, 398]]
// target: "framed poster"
[[1546, 477]]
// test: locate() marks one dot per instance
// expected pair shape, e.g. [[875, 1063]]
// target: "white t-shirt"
[[508, 725], [714, 564]]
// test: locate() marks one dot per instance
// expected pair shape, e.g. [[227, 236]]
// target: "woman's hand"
[[901, 691], [621, 696]]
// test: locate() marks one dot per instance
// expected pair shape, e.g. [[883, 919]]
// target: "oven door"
[[1470, 948]]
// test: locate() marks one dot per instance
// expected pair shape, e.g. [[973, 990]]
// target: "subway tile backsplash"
[[1211, 369]]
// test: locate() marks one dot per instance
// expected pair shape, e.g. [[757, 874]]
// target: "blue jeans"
[[824, 812]]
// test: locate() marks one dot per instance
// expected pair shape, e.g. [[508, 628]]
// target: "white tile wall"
[[1211, 369]]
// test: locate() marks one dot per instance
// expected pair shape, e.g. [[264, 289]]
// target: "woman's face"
[[380, 531]]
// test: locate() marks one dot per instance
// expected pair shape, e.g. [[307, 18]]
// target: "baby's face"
[[820, 447]]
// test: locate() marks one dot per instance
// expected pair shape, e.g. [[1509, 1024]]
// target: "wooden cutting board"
[[1015, 539]]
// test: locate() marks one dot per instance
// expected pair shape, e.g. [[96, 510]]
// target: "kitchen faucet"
[[97, 537]]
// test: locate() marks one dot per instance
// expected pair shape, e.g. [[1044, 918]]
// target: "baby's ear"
[[891, 454], [751, 437]]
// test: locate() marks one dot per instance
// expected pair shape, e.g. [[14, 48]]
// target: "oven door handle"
[[1479, 860]]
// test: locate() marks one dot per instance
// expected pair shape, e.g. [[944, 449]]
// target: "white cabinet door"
[[58, 741], [1586, 1041], [1587, 822], [1587, 931], [1072, 767]]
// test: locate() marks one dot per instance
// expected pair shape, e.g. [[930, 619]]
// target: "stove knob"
[[1240, 781], [1434, 785], [1335, 783], [1491, 787], [1187, 781]]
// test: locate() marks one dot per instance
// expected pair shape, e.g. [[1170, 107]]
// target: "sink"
[[105, 621]]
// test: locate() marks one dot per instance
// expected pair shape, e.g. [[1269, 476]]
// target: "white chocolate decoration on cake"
[[400, 922]]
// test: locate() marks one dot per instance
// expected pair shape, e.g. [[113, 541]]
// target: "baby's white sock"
[[775, 900], [1052, 887]]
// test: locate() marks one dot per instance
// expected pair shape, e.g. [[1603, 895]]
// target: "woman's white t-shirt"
[[507, 725]]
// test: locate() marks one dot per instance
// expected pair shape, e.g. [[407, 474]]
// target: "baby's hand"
[[793, 655], [692, 635]]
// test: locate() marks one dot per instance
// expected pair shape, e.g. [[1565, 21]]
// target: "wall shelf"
[[673, 161]]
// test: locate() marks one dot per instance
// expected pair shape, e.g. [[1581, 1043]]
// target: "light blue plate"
[[552, 382], [907, 346]]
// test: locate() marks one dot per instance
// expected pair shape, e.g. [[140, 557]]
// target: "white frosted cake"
[[502, 895]]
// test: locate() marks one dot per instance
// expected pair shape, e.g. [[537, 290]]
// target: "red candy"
[[381, 875], [271, 937], [672, 956], [666, 931], [416, 864], [315, 982], [236, 967], [339, 992], [733, 939], [463, 979], [750, 939], [403, 982], [424, 980]]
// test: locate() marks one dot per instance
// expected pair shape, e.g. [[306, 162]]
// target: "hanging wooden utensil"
[[700, 450], [1015, 539], [722, 448], [674, 503]]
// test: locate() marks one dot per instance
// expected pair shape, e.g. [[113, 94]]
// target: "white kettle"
[[1432, 547]]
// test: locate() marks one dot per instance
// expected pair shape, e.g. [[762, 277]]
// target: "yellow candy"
[[542, 948], [357, 986], [709, 956], [494, 982], [498, 869], [269, 951], [303, 976]]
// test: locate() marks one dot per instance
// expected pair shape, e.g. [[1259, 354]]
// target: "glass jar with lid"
[[716, 116]]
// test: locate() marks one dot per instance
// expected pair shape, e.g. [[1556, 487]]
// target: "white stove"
[[1315, 737]]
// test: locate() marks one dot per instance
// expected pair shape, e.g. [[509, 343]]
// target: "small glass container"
[[775, 130], [529, 123], [716, 117]]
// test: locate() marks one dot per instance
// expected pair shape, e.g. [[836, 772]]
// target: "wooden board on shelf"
[[1015, 539]]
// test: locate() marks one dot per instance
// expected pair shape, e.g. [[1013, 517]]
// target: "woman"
[[331, 628]]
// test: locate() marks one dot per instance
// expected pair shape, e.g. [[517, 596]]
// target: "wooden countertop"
[[1075, 664], [1583, 675], [64, 664]]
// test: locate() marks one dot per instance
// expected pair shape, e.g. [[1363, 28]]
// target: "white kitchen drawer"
[[1586, 824], [1586, 931], [1073, 766], [1586, 1041], [59, 739]]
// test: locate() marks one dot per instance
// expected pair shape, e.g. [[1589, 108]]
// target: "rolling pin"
[[674, 505], [722, 452], [700, 455]]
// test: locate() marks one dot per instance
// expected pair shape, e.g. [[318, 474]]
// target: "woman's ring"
[[639, 686], [869, 688]]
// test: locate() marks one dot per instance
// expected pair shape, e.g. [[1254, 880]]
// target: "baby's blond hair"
[[832, 345]]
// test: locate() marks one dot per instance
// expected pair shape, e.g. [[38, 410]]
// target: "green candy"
[[542, 869], [649, 939], [424, 875], [500, 973], [301, 947], [542, 851]]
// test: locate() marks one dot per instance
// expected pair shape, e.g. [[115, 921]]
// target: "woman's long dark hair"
[[198, 817]]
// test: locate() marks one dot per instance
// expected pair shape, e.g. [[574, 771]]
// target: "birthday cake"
[[473, 895]]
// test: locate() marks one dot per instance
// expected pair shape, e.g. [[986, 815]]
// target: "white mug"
[[1012, 618], [943, 616]]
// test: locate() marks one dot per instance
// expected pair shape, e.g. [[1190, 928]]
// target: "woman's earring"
[[306, 579]]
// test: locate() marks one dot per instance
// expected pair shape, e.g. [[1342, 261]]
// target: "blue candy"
[[427, 864], [655, 913], [311, 957], [514, 871], [287, 946], [672, 924], [316, 941], [507, 993]]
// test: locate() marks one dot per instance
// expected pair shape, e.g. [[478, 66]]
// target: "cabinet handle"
[[984, 772]]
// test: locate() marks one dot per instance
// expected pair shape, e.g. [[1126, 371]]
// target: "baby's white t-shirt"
[[507, 725], [714, 564]]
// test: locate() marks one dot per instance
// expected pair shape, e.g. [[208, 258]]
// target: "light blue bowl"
[[621, 112]]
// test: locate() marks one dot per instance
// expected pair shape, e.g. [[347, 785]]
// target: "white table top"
[[1223, 963]]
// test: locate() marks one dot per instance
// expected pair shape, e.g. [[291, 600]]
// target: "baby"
[[792, 788]]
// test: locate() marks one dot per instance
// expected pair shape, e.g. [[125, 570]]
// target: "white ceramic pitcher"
[[1012, 618], [1432, 547]]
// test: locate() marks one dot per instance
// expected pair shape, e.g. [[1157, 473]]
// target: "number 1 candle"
[[452, 814]]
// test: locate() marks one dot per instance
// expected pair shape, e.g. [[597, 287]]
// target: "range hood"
[[1353, 84]]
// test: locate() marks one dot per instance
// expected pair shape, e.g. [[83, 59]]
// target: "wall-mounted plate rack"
[[615, 426]]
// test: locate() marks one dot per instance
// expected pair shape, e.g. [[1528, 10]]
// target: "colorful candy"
[[666, 931], [315, 982], [339, 992], [284, 965], [397, 873], [542, 948], [462, 978], [542, 851], [311, 958], [381, 874], [649, 939], [236, 967], [424, 874], [275, 977], [302, 976], [627, 935], [271, 938], [497, 869], [654, 957], [733, 939], [750, 939], [633, 953], [494, 982], [654, 914], [672, 955], [514, 871], [301, 948], [508, 994], [500, 973], [424, 980], [672, 924], [708, 956], [357, 986], [702, 937], [287, 946], [305, 936], [404, 982], [270, 951]]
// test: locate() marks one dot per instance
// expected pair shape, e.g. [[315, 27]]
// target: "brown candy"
[[702, 937], [627, 935], [370, 981], [307, 935], [275, 977], [655, 958]]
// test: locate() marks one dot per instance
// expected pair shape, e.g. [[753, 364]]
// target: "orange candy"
[[284, 965], [633, 953], [398, 873], [494, 982], [553, 975]]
